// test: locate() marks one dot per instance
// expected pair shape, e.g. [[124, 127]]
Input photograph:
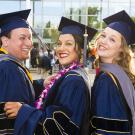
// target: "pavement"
[[35, 74]]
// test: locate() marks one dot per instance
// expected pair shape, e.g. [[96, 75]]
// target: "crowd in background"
[[43, 60], [46, 62]]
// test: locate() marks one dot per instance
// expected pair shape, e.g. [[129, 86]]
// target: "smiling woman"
[[67, 49], [113, 92], [109, 45]]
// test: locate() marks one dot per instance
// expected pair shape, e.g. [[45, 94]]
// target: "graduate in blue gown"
[[15, 80], [64, 105], [113, 93]]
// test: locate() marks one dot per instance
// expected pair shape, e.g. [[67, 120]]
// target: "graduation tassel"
[[85, 48]]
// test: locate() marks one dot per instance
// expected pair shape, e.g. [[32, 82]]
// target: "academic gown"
[[14, 86], [108, 110], [65, 110]]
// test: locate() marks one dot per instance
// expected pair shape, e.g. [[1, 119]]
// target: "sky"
[[54, 9]]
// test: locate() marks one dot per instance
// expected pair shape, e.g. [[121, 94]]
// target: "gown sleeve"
[[109, 117], [14, 86], [63, 115]]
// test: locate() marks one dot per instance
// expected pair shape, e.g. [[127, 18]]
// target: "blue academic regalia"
[[109, 114], [65, 109], [15, 81], [15, 85]]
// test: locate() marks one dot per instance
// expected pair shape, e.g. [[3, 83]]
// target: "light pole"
[[28, 6], [27, 3], [42, 16], [101, 15], [108, 4], [71, 11], [86, 13], [130, 7], [20, 5], [27, 62], [85, 38], [33, 19]]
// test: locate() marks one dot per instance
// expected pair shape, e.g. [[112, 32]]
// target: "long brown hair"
[[124, 59], [78, 44], [79, 41]]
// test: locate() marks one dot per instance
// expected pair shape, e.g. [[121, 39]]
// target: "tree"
[[48, 25], [50, 33], [133, 18], [92, 16], [46, 33], [54, 35]]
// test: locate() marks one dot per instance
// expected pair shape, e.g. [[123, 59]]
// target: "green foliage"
[[93, 10], [48, 25], [50, 33], [93, 17], [93, 21], [46, 33], [133, 19], [54, 35]]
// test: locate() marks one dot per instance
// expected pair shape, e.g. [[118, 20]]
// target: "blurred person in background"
[[45, 64], [34, 54]]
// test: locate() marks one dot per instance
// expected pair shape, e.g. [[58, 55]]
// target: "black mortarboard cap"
[[68, 26], [13, 20], [122, 23]]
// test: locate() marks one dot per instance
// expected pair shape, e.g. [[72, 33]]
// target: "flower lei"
[[44, 93]]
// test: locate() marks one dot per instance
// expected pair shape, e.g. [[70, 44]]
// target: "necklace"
[[61, 73]]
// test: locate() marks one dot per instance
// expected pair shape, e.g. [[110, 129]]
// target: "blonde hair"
[[124, 59], [96, 62]]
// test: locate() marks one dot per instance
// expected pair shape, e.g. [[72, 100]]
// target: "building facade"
[[46, 14]]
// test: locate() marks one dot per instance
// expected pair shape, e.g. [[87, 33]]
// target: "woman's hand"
[[11, 109], [48, 79]]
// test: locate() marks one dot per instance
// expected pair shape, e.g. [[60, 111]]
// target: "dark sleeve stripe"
[[2, 107], [6, 125], [60, 124], [110, 125], [2, 116], [51, 127], [7, 132], [59, 114]]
